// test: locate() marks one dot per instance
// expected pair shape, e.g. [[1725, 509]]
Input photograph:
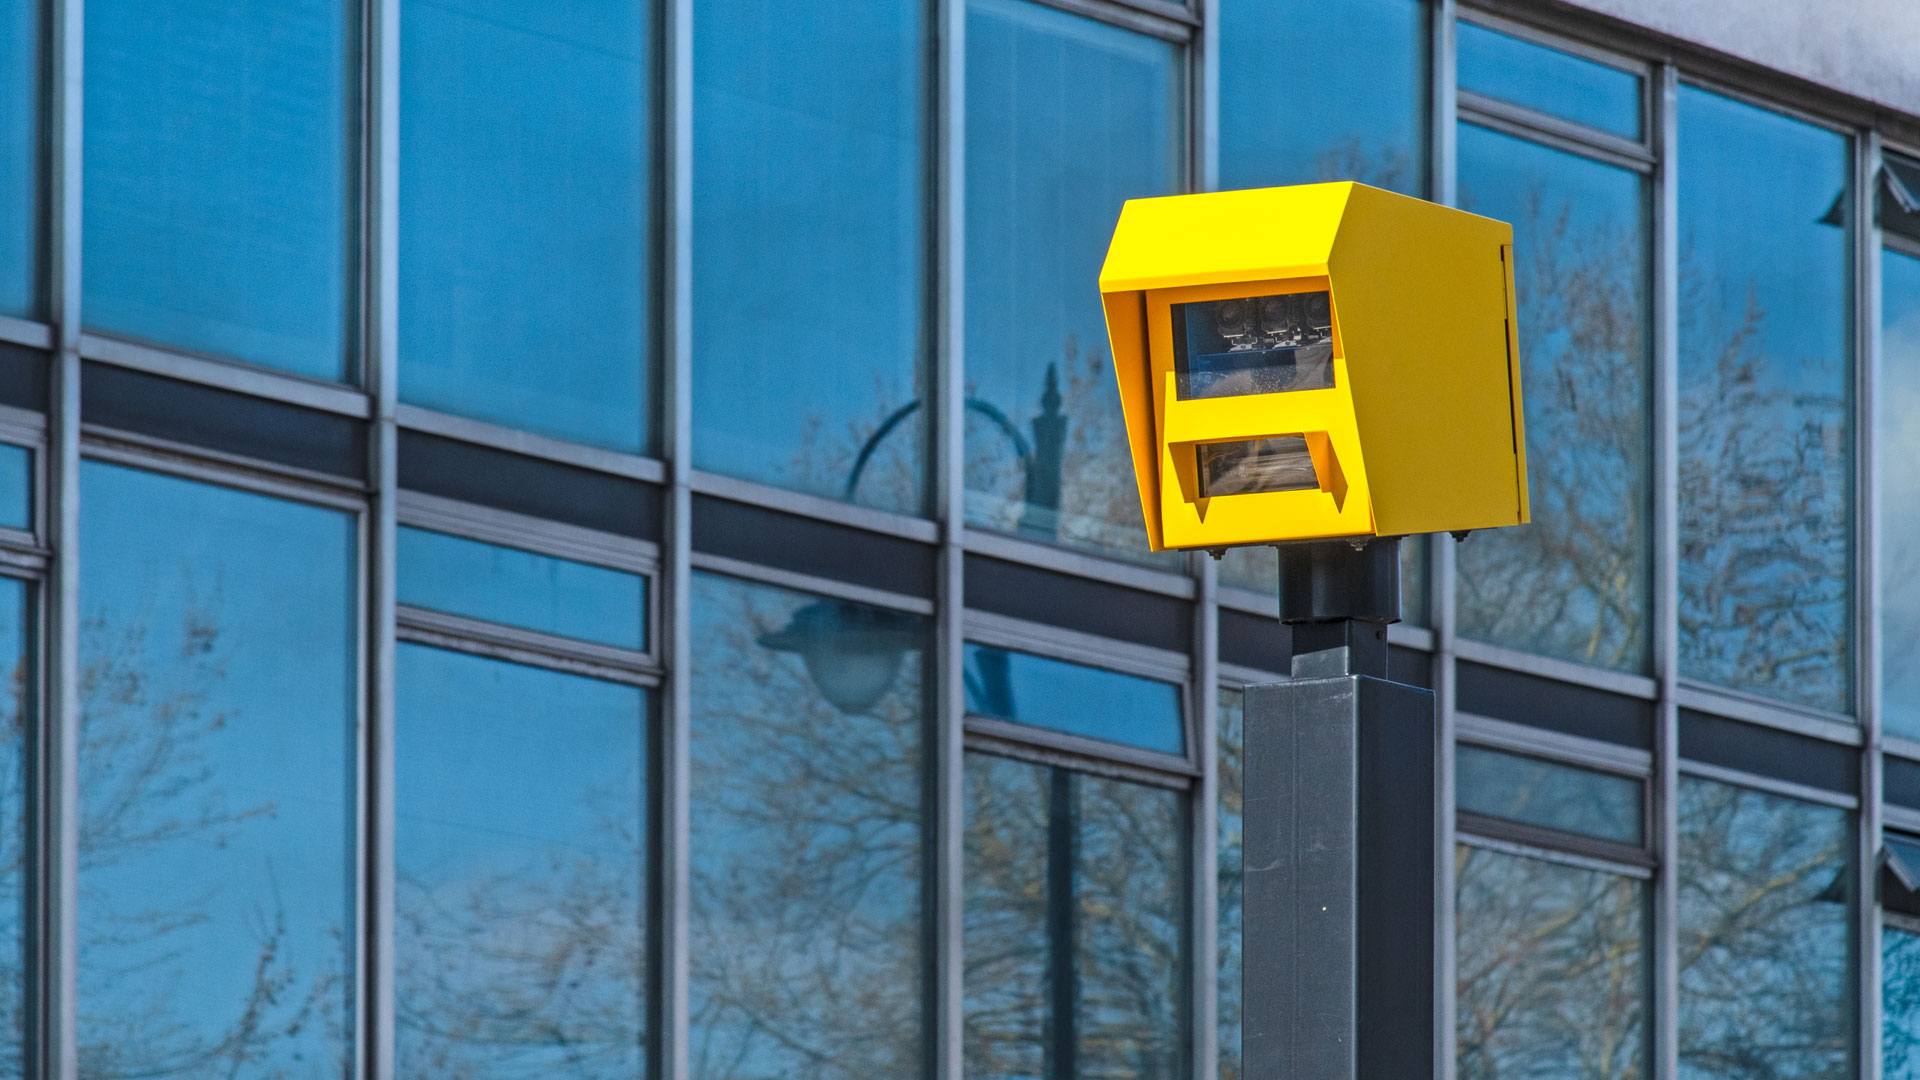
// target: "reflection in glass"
[[1258, 568], [16, 487], [1548, 794], [520, 871], [20, 210], [1765, 892], [1252, 345], [1078, 700], [1575, 584], [1899, 473], [1066, 119], [806, 842], [1900, 1003], [519, 588], [217, 697], [218, 202], [15, 716], [1315, 91], [1549, 81], [1551, 978], [1231, 837], [524, 214], [1765, 405], [1074, 923], [810, 249]]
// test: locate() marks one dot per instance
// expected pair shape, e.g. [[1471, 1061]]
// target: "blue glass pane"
[[810, 248], [1231, 822], [807, 830], [218, 702], [1076, 880], [14, 750], [16, 487], [1054, 694], [1765, 902], [1549, 81], [524, 214], [1765, 422], [1315, 91], [1543, 793], [520, 871], [20, 112], [1900, 1004], [218, 161], [1898, 410], [1576, 583], [1552, 974], [520, 588], [1067, 118]]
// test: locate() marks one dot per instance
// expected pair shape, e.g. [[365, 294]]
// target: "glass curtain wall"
[[21, 244], [16, 714], [1898, 414]]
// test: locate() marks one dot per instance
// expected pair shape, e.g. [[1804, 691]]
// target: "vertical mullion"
[[949, 459], [1666, 599], [1866, 441], [1204, 866], [382, 109], [56, 945], [1443, 182], [673, 927]]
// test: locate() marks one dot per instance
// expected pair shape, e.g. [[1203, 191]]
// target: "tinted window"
[[1576, 582], [1231, 840], [809, 250], [806, 837], [1074, 924], [1549, 81], [1765, 418], [20, 210], [1765, 891], [1899, 416], [520, 588], [218, 203], [218, 701], [524, 214], [1078, 700], [1900, 1003], [1067, 118], [1548, 794], [520, 870], [15, 716]]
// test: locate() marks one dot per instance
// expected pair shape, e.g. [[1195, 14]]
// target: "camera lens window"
[[1282, 463], [1253, 345]]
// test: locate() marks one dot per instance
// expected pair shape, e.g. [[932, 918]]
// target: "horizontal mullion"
[[217, 467], [527, 646], [1524, 123], [980, 741], [228, 375]]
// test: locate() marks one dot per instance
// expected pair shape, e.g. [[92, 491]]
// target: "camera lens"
[[1231, 317], [1276, 314]]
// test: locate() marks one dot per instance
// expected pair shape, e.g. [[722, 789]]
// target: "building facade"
[[592, 538]]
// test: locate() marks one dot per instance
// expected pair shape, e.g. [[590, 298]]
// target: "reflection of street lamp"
[[852, 651]]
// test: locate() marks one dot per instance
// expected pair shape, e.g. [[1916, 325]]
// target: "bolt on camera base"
[[1341, 846]]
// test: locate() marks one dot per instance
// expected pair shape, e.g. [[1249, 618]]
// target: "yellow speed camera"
[[1312, 362]]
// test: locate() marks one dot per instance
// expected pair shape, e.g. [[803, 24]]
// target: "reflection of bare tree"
[[1074, 917], [1764, 493], [1551, 981], [13, 842], [1232, 837], [148, 727], [1574, 583], [894, 479], [1900, 1003], [1764, 903], [807, 859]]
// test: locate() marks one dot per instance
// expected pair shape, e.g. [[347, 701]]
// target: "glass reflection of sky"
[[1549, 81], [1575, 583], [1899, 472], [1314, 91], [524, 214], [1067, 118], [20, 158], [1765, 471], [1548, 794], [16, 487], [217, 162], [13, 818], [1078, 700], [218, 709], [810, 248], [519, 851], [520, 588], [1900, 1004]]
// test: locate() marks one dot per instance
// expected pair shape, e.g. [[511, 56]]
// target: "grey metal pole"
[[1340, 858]]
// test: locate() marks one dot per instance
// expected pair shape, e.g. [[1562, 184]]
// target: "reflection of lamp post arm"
[[1040, 459]]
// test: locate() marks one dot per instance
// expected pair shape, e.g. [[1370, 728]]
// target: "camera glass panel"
[[1250, 466], [1253, 345]]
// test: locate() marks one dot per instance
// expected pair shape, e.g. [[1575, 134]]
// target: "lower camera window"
[[1282, 463]]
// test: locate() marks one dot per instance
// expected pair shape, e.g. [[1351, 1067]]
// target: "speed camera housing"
[[1312, 362]]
